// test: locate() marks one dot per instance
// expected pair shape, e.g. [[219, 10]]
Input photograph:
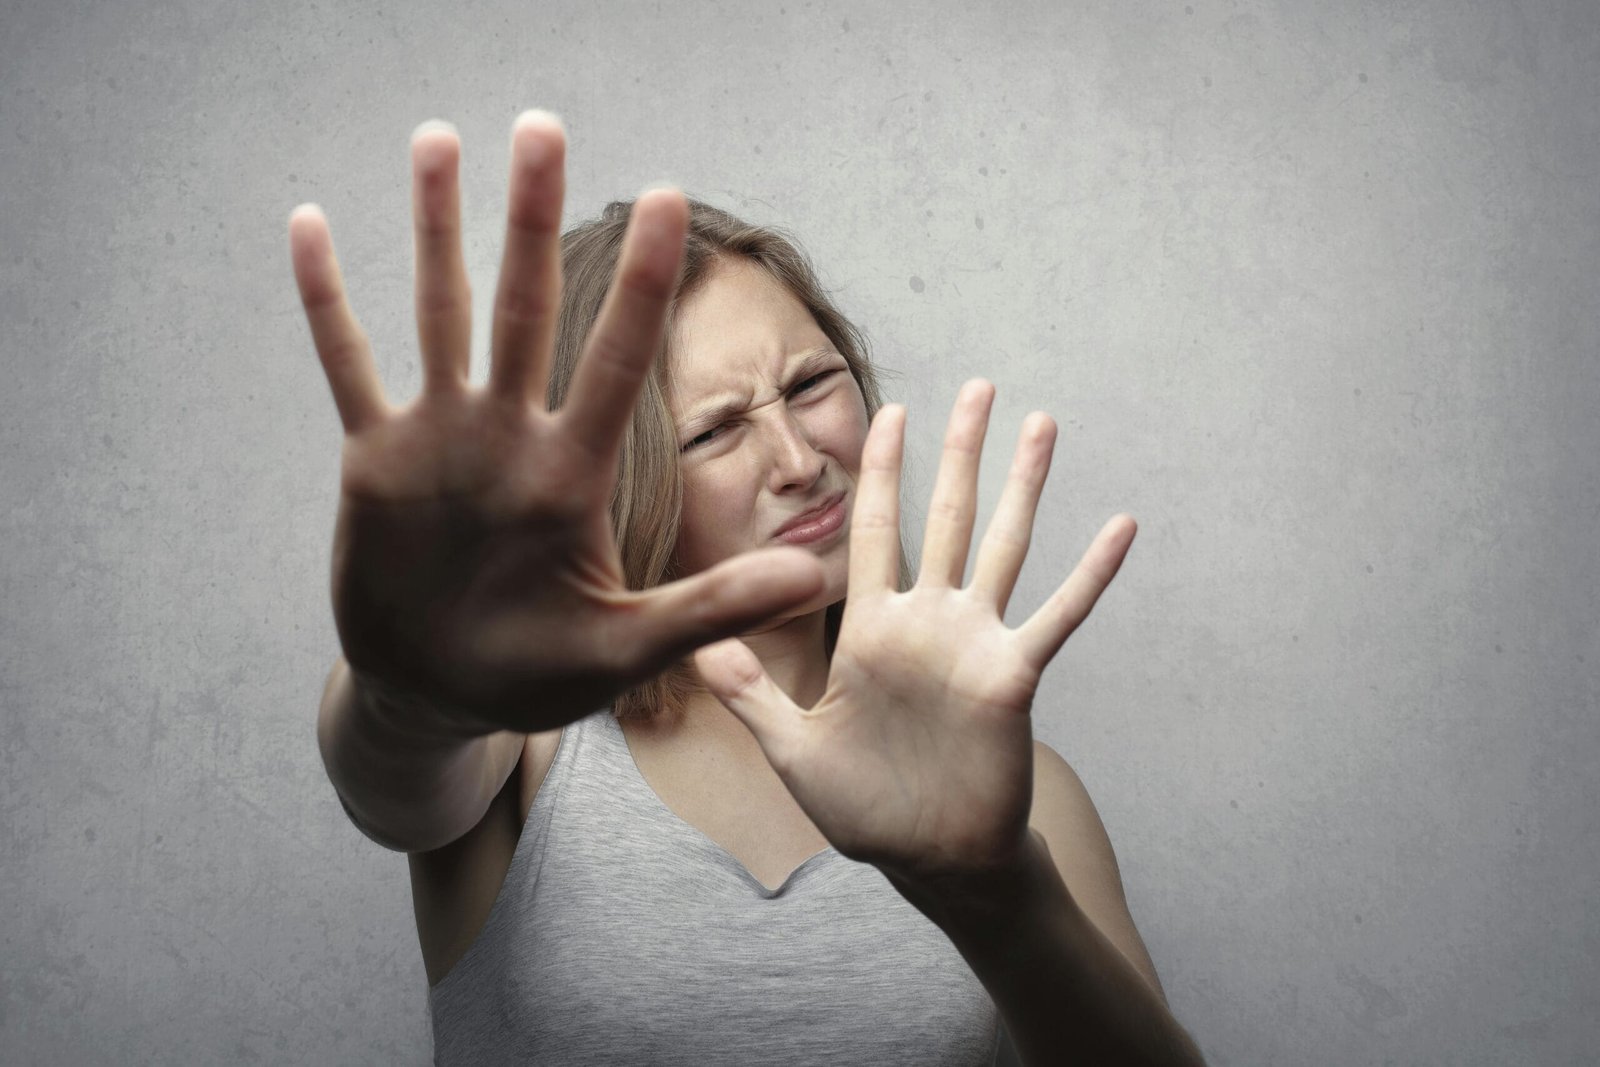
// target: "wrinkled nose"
[[795, 462]]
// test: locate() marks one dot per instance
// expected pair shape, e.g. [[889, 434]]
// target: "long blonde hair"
[[646, 505]]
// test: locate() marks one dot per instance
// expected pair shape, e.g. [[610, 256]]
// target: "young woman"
[[688, 765]]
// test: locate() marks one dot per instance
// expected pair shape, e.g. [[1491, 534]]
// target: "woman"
[[629, 576]]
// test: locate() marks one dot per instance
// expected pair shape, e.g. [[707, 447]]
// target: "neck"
[[793, 653]]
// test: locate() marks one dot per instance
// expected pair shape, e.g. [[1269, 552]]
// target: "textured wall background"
[[1309, 287]]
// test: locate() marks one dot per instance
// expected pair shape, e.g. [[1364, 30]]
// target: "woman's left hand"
[[918, 758]]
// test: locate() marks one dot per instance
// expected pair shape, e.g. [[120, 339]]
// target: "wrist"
[[987, 896]]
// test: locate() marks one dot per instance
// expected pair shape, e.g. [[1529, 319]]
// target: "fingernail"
[[539, 116], [434, 124]]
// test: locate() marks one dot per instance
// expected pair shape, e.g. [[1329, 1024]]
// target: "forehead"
[[740, 323]]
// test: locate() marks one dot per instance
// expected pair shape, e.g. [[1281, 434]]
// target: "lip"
[[816, 523]]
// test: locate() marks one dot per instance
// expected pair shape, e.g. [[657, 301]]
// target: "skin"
[[476, 584], [917, 753], [796, 441], [913, 749], [918, 756]]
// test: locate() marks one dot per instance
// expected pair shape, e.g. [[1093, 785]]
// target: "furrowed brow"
[[713, 411]]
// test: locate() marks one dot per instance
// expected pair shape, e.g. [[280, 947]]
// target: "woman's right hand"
[[474, 568]]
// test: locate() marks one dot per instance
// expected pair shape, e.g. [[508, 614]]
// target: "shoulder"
[[1054, 780], [454, 888], [1065, 816]]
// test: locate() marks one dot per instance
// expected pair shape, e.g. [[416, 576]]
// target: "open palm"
[[918, 758]]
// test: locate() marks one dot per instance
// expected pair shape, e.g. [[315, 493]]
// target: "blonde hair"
[[647, 502]]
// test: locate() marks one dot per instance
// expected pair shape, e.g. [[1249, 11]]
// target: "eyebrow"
[[718, 408]]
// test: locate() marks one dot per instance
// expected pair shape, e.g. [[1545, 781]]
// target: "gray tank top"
[[623, 935]]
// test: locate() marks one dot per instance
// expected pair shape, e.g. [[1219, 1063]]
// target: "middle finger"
[[528, 300], [950, 513], [1005, 543], [444, 299]]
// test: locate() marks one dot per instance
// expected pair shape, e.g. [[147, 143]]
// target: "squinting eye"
[[703, 438], [803, 387], [814, 378]]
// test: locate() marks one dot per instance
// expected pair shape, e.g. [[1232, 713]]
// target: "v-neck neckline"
[[707, 842]]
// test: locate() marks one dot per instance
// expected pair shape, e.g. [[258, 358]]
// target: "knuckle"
[[524, 305], [530, 220], [1006, 538], [640, 281], [435, 235], [444, 299], [320, 296], [344, 350], [959, 440], [434, 224], [611, 353]]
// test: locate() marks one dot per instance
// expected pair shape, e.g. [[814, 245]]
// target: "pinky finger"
[[341, 345]]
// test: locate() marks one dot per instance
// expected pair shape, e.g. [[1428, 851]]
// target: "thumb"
[[735, 676], [736, 595]]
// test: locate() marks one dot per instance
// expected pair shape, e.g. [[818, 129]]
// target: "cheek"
[[711, 527], [846, 427]]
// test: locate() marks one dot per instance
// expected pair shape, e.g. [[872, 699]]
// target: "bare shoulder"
[[454, 888], [1066, 817]]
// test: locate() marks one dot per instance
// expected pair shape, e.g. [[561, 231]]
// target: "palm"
[[901, 709], [469, 523]]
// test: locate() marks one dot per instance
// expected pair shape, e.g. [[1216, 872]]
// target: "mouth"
[[815, 524]]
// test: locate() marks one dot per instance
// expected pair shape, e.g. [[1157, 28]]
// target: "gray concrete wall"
[[1309, 287]]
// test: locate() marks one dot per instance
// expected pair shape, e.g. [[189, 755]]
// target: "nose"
[[794, 462]]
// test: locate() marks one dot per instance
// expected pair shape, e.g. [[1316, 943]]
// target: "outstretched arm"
[[920, 757]]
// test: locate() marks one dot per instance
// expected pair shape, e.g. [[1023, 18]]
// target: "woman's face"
[[770, 423]]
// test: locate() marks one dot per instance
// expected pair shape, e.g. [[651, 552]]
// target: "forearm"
[[411, 777], [1066, 993]]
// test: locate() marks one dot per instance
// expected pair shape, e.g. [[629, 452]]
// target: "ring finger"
[[950, 513], [1005, 542]]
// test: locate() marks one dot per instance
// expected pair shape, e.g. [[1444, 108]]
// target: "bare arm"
[[410, 779]]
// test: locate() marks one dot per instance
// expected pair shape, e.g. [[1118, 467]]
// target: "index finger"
[[875, 516], [622, 344]]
